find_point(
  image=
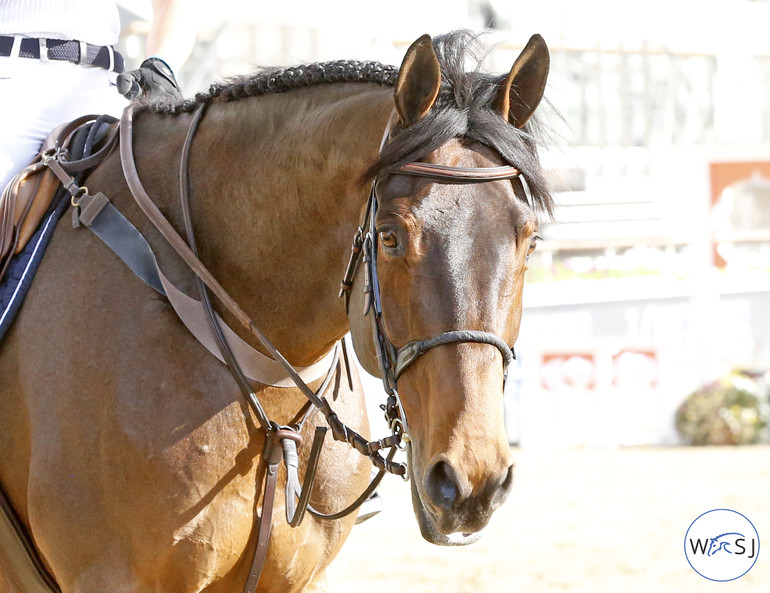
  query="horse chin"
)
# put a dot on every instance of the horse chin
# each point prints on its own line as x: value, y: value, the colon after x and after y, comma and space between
x: 428, y: 528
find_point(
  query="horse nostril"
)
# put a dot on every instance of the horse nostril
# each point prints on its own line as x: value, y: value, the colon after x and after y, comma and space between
x: 441, y: 485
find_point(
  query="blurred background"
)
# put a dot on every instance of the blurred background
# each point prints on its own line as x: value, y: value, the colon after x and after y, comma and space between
x: 647, y: 309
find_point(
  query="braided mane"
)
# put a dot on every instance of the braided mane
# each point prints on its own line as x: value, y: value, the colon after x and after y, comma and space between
x: 280, y: 80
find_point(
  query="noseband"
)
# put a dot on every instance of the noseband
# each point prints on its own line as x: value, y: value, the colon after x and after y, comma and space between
x: 394, y: 361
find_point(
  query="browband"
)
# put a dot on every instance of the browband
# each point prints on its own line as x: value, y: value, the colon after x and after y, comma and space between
x: 475, y: 174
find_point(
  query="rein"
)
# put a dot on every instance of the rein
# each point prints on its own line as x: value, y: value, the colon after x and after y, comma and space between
x: 281, y: 441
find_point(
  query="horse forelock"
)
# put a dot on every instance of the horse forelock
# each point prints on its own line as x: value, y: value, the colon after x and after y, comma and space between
x: 464, y: 108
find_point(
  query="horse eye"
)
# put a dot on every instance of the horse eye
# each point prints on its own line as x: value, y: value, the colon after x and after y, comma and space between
x: 388, y: 239
x: 533, y: 244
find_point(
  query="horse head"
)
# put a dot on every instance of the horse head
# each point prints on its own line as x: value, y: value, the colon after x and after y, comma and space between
x: 718, y: 546
x: 451, y: 256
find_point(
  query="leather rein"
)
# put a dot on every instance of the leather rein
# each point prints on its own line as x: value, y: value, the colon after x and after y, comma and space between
x: 281, y: 441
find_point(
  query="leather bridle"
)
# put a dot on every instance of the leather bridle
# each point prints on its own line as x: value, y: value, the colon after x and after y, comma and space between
x: 393, y: 361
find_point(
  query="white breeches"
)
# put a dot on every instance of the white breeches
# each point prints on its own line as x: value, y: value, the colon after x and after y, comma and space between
x: 36, y: 96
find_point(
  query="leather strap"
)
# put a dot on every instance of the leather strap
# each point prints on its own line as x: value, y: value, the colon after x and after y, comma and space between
x: 272, y: 460
x: 295, y: 509
x: 407, y: 354
x: 275, y: 451
x: 458, y: 174
x: 214, y: 323
x: 153, y: 213
x: 353, y: 506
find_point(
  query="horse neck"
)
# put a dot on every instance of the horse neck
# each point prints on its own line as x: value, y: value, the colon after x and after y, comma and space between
x: 276, y: 204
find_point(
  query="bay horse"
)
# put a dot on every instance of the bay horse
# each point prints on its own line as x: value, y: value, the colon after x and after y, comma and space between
x: 128, y: 452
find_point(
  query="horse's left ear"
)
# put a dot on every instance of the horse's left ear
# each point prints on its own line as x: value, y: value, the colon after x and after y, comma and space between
x: 419, y: 80
x: 520, y: 92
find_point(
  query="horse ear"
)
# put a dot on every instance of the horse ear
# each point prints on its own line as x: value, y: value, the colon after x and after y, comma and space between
x: 419, y: 80
x: 520, y: 92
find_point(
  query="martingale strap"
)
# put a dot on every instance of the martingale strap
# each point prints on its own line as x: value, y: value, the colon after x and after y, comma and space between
x: 271, y: 457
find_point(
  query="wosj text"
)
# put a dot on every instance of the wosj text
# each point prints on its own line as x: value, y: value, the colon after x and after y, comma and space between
x: 727, y: 543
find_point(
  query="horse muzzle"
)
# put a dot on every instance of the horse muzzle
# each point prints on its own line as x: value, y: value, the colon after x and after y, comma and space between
x: 448, y: 513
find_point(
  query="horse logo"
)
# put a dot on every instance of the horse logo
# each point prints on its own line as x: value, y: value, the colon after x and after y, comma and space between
x: 718, y: 546
x: 724, y: 557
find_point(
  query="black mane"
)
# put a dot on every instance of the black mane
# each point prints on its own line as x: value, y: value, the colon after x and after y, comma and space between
x: 464, y: 108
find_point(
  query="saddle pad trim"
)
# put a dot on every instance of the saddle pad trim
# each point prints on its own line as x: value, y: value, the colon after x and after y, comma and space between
x: 32, y: 254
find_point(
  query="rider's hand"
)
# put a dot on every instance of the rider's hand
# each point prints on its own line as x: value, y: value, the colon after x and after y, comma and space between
x: 153, y: 80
